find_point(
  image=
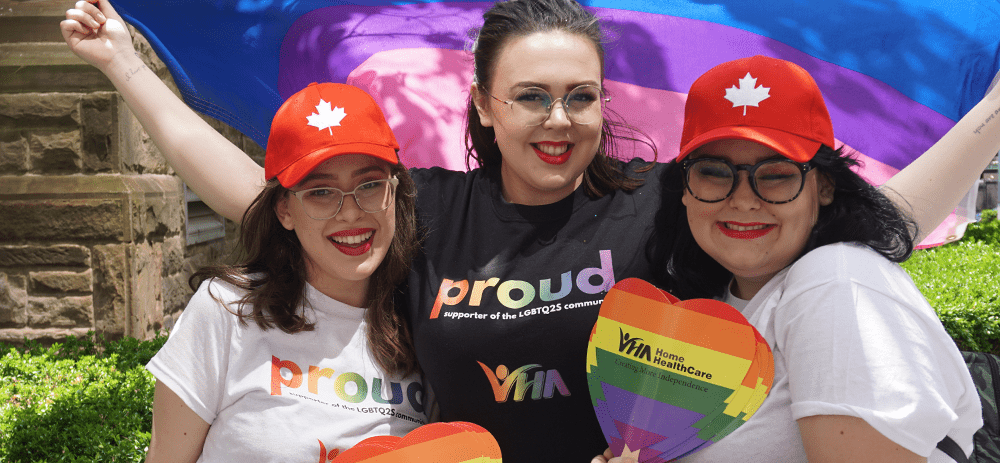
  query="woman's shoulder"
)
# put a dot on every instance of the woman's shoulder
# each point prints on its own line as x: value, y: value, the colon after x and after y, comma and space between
x: 438, y: 180
x: 222, y: 290
x: 215, y: 299
x: 440, y: 191
x: 850, y: 265
x: 840, y: 257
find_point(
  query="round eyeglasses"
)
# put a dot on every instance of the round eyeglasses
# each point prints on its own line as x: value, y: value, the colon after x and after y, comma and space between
x: 325, y: 202
x: 776, y: 181
x: 533, y: 105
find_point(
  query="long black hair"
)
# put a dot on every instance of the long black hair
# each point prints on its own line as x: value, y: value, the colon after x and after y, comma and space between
x: 518, y: 18
x: 859, y: 213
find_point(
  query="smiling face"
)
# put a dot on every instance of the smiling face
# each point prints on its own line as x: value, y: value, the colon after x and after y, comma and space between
x: 544, y: 163
x: 341, y: 252
x: 752, y: 238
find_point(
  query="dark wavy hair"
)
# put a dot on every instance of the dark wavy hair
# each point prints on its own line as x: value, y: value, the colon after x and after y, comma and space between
x: 273, y: 274
x: 859, y: 213
x: 518, y: 18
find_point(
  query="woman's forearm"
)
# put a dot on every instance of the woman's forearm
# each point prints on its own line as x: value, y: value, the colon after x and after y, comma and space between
x: 931, y: 187
x: 222, y: 175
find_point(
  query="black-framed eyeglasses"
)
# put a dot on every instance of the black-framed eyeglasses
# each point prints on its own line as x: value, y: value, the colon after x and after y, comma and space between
x: 325, y: 202
x: 533, y: 105
x: 776, y: 181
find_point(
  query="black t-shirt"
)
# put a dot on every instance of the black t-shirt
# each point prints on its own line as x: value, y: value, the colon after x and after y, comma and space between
x: 503, y: 299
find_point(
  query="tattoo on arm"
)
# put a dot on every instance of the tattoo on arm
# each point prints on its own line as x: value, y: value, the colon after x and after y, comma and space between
x: 988, y: 119
x: 131, y: 72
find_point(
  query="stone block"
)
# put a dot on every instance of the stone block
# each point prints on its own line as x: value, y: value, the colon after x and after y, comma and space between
x: 173, y: 255
x: 32, y: 28
x: 136, y: 150
x: 56, y: 153
x: 100, y: 219
x: 13, y: 152
x: 46, y: 336
x: 176, y: 292
x: 99, y: 120
x: 157, y: 206
x: 146, y: 314
x: 13, y: 300
x: 40, y: 109
x: 18, y: 9
x: 128, y: 289
x: 205, y: 254
x: 61, y: 282
x: 61, y: 312
x: 104, y: 208
x: 63, y: 255
x: 47, y: 67
x: 112, y: 290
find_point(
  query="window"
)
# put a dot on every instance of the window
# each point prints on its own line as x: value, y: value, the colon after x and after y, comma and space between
x: 203, y: 224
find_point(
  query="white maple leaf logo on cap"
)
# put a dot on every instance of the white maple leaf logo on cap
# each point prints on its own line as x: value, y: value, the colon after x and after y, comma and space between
x: 327, y: 117
x: 747, y: 95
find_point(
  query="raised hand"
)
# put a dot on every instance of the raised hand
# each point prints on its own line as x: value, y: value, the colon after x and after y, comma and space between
x: 96, y: 33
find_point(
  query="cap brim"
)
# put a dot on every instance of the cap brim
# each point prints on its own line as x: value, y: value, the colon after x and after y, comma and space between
x: 294, y: 173
x: 788, y: 145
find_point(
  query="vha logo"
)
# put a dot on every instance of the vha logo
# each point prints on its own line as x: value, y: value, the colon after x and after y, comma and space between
x: 632, y: 346
x: 544, y: 384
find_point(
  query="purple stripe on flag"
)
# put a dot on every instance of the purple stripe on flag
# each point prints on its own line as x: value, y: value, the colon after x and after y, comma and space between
x: 648, y: 50
x: 867, y: 114
x: 328, y: 43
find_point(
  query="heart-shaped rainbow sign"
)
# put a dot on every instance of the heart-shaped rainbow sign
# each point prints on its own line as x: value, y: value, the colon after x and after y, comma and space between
x: 670, y: 377
x: 450, y: 442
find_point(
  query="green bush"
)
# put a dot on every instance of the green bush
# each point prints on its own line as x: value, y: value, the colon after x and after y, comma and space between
x: 987, y: 230
x: 77, y: 401
x: 960, y: 280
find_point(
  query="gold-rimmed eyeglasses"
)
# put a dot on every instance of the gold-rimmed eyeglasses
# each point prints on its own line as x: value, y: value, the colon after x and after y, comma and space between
x: 533, y: 105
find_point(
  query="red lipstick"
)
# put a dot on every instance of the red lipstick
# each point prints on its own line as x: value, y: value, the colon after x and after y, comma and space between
x: 550, y: 159
x: 351, y: 248
x: 745, y: 234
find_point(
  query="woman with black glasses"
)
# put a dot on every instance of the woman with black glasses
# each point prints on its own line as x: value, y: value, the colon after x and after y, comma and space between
x: 779, y: 226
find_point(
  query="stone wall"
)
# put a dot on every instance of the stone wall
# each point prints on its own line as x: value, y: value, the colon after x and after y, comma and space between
x: 92, y: 220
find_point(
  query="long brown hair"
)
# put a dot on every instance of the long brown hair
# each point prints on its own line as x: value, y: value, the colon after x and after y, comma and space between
x: 272, y: 271
x: 518, y: 18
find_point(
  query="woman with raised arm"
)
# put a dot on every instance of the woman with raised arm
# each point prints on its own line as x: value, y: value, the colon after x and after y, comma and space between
x: 519, y: 251
x: 298, y: 351
x: 808, y: 251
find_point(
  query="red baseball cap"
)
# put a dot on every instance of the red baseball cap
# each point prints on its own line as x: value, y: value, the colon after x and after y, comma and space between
x: 322, y: 121
x: 766, y: 100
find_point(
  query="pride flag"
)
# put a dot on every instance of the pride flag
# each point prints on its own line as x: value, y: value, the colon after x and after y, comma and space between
x: 896, y: 74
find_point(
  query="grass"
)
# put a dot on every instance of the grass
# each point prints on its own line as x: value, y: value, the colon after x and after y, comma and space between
x: 960, y: 280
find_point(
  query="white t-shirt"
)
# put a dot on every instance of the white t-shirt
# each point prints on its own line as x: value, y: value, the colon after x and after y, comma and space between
x: 852, y: 335
x: 274, y: 396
